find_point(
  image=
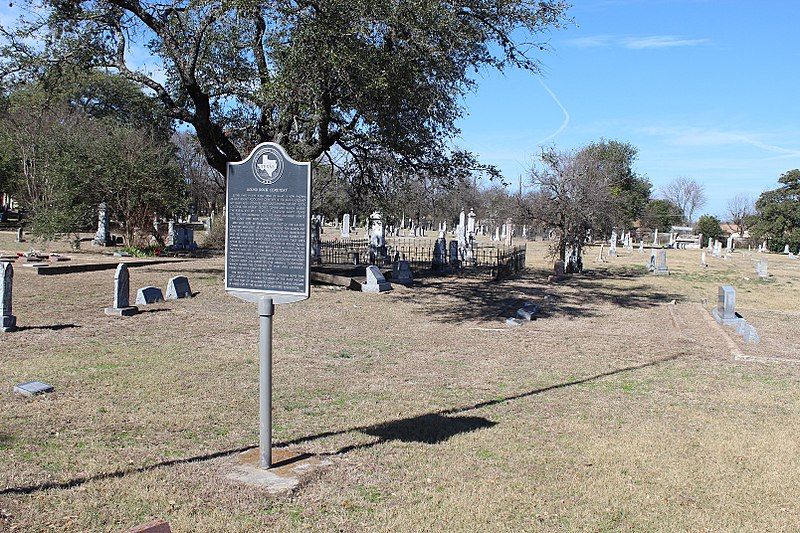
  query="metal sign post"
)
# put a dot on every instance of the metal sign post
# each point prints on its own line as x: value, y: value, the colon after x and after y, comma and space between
x: 267, y: 247
x: 265, y: 312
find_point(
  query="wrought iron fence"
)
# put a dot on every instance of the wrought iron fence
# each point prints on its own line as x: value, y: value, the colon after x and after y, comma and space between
x: 503, y: 260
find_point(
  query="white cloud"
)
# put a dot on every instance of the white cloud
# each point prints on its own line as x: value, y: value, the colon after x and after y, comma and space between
x: 635, y: 43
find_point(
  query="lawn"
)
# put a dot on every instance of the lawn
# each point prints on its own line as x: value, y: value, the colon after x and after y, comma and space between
x: 622, y: 407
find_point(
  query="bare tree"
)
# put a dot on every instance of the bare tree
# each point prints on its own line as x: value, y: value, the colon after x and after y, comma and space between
x: 740, y: 209
x: 206, y: 186
x: 571, y: 193
x: 687, y: 194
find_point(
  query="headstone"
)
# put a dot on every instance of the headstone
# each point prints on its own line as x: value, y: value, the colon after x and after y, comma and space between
x: 655, y: 238
x: 703, y: 261
x: 375, y: 281
x: 20, y: 234
x: 122, y: 305
x: 454, y: 255
x: 178, y: 287
x: 8, y: 322
x: 509, y: 232
x: 601, y: 258
x: 761, y: 269
x: 786, y: 249
x: 440, y: 253
x: 559, y: 268
x: 726, y: 302
x: 528, y: 311
x: 471, y: 222
x: 764, y: 247
x: 658, y: 262
x: 149, y: 295
x: 401, y: 273
x: 496, y: 234
x: 32, y: 388
x: 346, y: 226
x: 102, y: 237
x: 315, y: 253
x: 377, y: 239
x: 612, y: 247
x: 729, y: 244
x: 641, y: 247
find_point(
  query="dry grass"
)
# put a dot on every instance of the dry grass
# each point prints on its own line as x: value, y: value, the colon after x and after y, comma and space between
x: 613, y: 411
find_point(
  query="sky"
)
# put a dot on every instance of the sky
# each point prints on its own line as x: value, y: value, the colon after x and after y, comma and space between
x: 708, y: 90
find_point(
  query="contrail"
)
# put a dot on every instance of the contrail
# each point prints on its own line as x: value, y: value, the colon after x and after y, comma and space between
x: 563, y: 109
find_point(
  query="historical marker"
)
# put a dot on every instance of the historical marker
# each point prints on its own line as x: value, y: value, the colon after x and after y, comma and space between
x: 268, y: 226
x: 267, y: 245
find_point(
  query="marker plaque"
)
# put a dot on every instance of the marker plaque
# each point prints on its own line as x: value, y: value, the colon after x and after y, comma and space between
x: 267, y: 230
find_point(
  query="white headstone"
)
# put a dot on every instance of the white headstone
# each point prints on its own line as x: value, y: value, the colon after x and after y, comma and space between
x: 346, y: 226
x: 375, y: 281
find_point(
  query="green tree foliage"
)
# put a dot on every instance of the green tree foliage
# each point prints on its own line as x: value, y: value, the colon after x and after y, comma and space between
x: 710, y: 227
x: 661, y: 215
x: 778, y: 213
x: 630, y: 191
x: 381, y: 82
x: 68, y: 161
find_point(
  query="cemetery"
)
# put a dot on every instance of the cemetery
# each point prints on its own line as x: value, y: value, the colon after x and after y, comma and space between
x: 400, y: 397
x: 392, y: 266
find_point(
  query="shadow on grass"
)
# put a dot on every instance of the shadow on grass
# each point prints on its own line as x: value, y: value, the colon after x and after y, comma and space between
x: 55, y: 327
x: 454, y: 301
x: 428, y: 428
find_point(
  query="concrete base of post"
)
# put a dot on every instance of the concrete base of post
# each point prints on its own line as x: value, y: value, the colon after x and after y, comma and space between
x: 289, y: 469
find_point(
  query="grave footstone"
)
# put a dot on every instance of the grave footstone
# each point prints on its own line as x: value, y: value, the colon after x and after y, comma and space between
x: 122, y: 306
x: 375, y: 281
x: 149, y: 295
x: 8, y: 322
x: 32, y: 388
x: 178, y: 287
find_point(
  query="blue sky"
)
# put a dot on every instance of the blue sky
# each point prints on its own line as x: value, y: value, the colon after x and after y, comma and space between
x: 709, y: 90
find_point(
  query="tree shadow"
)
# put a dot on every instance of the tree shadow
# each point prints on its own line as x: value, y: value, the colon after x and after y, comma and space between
x: 55, y: 327
x: 454, y: 300
x: 428, y: 428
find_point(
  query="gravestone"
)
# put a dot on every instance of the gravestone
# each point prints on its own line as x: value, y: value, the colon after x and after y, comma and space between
x: 377, y: 236
x: 509, y: 232
x: 496, y: 234
x: 726, y: 304
x: 641, y: 247
x: 601, y: 258
x: 8, y: 322
x: 178, y: 287
x: 703, y: 259
x: 149, y: 295
x: 655, y: 238
x: 559, y: 268
x: 786, y: 249
x: 454, y: 257
x: 20, y: 234
x: 102, y: 237
x: 122, y: 305
x: 316, y: 243
x: 440, y: 252
x: 375, y: 281
x: 346, y: 226
x: 761, y: 269
x: 528, y: 311
x: 661, y: 263
x: 612, y: 247
x: 401, y: 273
x: 729, y: 244
x: 181, y: 236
